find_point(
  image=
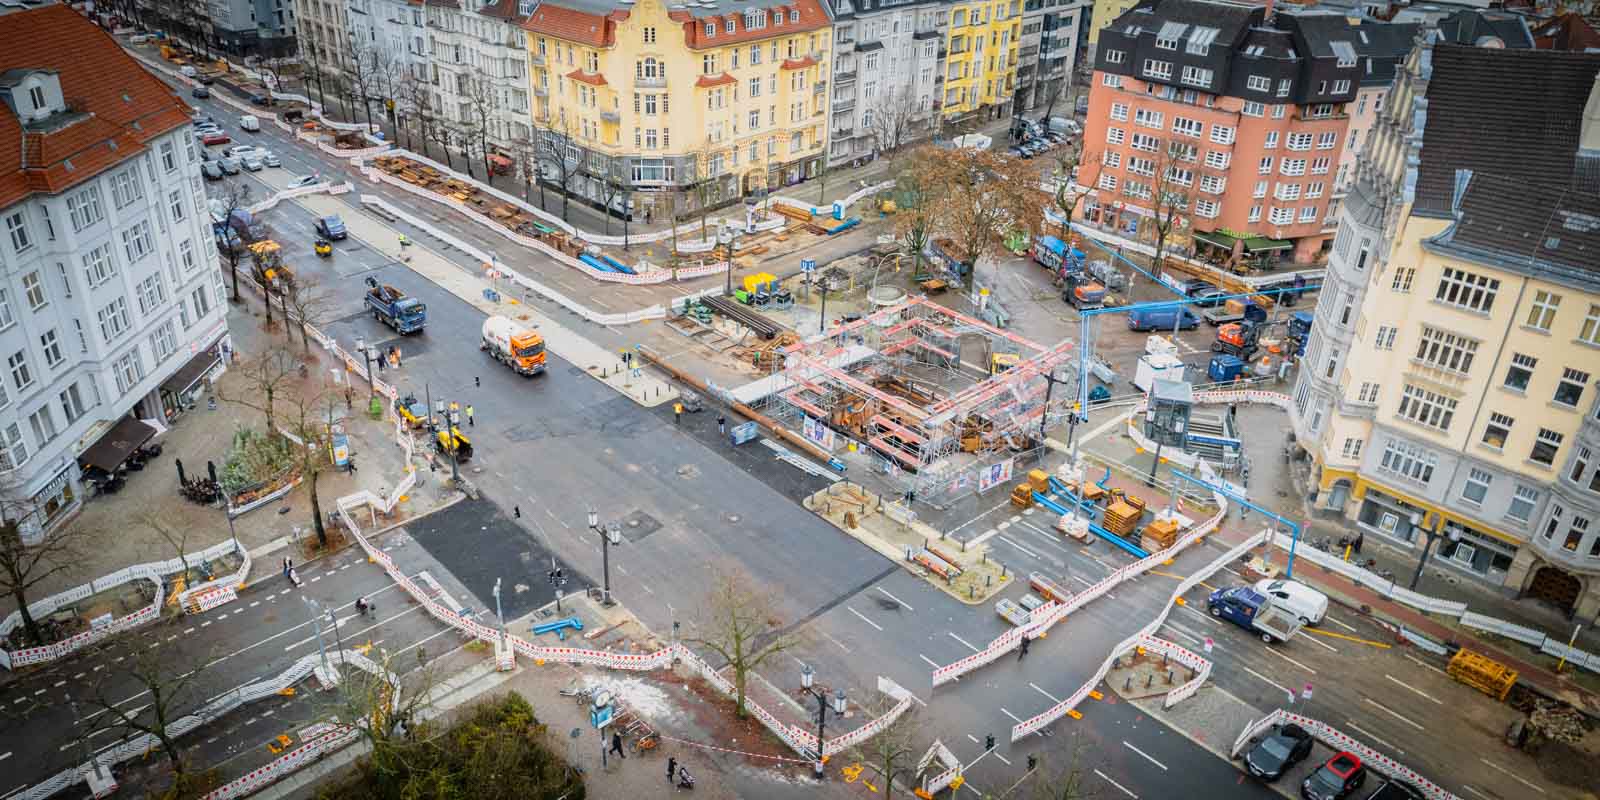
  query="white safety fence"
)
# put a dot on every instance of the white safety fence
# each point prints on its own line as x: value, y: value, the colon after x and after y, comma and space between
x: 302, y: 191
x: 1339, y: 740
x: 155, y: 572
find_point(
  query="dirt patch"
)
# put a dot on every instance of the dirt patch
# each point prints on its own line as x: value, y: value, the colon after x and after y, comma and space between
x: 1572, y: 765
x: 756, y: 746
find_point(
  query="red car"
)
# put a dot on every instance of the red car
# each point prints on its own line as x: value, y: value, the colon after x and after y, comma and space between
x: 1336, y: 779
x: 214, y: 138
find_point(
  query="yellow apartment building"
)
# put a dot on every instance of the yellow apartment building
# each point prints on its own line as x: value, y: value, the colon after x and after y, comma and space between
x: 665, y: 106
x: 981, y: 60
x: 1106, y: 12
x: 1448, y: 397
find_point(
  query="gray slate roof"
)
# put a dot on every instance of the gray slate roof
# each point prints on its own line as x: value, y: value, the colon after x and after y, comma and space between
x: 1550, y: 231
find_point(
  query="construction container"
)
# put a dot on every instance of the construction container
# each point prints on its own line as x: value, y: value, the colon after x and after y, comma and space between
x: 1040, y: 481
x: 1122, y: 518
x: 1484, y: 674
x: 1159, y: 535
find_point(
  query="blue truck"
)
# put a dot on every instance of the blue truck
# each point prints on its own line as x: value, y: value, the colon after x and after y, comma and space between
x: 395, y: 308
x: 1253, y: 611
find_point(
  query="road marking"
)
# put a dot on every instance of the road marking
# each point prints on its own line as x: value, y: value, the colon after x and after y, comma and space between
x: 1030, y: 553
x: 836, y: 641
x: 1275, y: 652
x: 1101, y: 561
x: 622, y: 569
x: 1181, y: 632
x: 647, y: 588
x: 1419, y: 662
x: 974, y: 739
x: 59, y: 684
x: 98, y: 667
x: 41, y: 691
x: 929, y: 661
x: 1200, y: 614
x: 269, y: 712
x: 1045, y: 693
x: 952, y: 635
x: 79, y: 675
x: 1393, y: 679
x: 1374, y: 737
x: 1379, y: 645
x: 224, y: 615
x: 1469, y: 788
x: 1314, y: 640
x: 1270, y: 682
x: 1514, y: 776
x: 1336, y: 621
x: 1080, y: 579
x: 1003, y: 758
x: 1143, y: 753
x: 206, y: 623
x: 5, y: 756
x: 1107, y: 779
x: 347, y: 619
x: 282, y: 593
x: 345, y: 567
x: 864, y: 619
x: 316, y: 578
x: 896, y: 599
x: 1014, y: 717
x: 1391, y: 712
x: 190, y: 629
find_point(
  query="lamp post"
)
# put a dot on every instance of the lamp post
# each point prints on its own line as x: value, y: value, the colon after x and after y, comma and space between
x: 808, y: 676
x: 726, y: 237
x: 361, y: 347
x: 1432, y: 534
x: 498, y: 610
x: 609, y: 535
x: 316, y: 622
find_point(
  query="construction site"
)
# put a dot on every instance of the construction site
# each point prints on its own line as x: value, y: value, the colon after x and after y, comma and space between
x: 937, y: 402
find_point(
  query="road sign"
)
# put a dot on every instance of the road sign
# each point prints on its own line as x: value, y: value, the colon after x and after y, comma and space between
x: 808, y: 265
x: 1209, y: 644
x: 1305, y: 694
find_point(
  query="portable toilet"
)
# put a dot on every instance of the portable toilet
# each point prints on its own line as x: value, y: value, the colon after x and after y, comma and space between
x: 1225, y: 368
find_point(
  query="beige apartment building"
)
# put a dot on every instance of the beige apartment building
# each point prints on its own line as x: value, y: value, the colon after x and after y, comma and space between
x: 1448, y: 396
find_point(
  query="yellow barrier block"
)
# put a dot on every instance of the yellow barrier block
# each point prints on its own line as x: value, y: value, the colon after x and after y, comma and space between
x: 957, y: 783
x: 1095, y: 693
x: 1167, y: 563
x: 921, y: 795
x: 1042, y: 635
x: 538, y: 662
x: 1139, y: 650
x: 1074, y: 713
x: 287, y: 691
x: 405, y: 497
x: 1182, y: 602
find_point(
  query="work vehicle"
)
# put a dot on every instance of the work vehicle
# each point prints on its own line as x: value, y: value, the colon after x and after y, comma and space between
x: 1300, y: 331
x: 1310, y: 605
x: 1275, y: 753
x: 1108, y: 275
x: 250, y: 123
x: 513, y: 344
x: 1162, y: 319
x: 1253, y: 611
x: 453, y: 439
x: 1338, y: 778
x: 1054, y: 255
x: 1066, y: 126
x: 1238, y: 339
x: 1154, y: 366
x: 413, y: 412
x: 1082, y: 291
x: 322, y: 248
x: 395, y: 308
x: 1225, y: 368
x: 1234, y: 311
x: 332, y: 227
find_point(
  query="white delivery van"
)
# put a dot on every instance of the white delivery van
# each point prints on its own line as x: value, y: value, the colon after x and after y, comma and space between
x: 1310, y: 605
x: 250, y: 123
x: 188, y: 71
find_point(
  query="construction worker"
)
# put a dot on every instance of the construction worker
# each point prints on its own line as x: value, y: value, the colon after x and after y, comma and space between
x: 469, y: 415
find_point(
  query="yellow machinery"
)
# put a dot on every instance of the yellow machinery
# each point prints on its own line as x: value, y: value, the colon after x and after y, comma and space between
x: 413, y: 413
x: 758, y: 282
x: 1484, y: 674
x: 323, y: 248
x: 462, y: 445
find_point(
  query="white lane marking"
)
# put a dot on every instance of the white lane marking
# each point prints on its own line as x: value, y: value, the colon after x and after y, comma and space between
x: 1011, y: 715
x: 1052, y: 697
x: 952, y: 635
x: 1316, y: 641
x: 863, y: 618
x: 1419, y: 662
x: 190, y: 629
x: 5, y: 756
x: 313, y: 637
x: 974, y: 739
x: 896, y: 599
x: 41, y: 691
x: 59, y: 684
x: 1030, y: 553
x: 647, y: 588
x: 98, y: 667
x: 1374, y: 737
x: 1101, y: 561
x: 929, y: 661
x: 255, y: 603
x: 1514, y: 776
x: 282, y: 593
x: 1469, y: 788
x: 1274, y: 651
x: 223, y: 615
x: 1080, y: 579
x: 1143, y: 753
x: 206, y: 623
x: 1335, y: 620
x: 346, y: 566
x: 622, y: 569
x: 1107, y: 779
x: 1269, y: 681
x: 1391, y: 712
x: 79, y: 675
x: 1200, y: 614
x: 836, y: 641
x: 1003, y: 758
x: 316, y: 578
x: 1393, y: 679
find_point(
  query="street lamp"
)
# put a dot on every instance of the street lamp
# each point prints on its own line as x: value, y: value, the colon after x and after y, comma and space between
x: 361, y: 347
x: 609, y: 535
x: 808, y: 676
x: 1432, y: 534
x: 498, y: 611
x: 726, y: 237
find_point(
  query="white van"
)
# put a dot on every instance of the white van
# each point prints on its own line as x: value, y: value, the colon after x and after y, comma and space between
x: 1305, y: 602
x: 188, y: 71
x: 250, y: 123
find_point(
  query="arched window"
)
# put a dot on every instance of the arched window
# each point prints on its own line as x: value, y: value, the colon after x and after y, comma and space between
x: 648, y: 68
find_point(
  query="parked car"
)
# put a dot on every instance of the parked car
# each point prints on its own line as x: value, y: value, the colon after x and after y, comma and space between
x: 331, y: 227
x: 229, y: 165
x: 1017, y: 151
x: 250, y: 122
x: 304, y: 180
x: 200, y: 91
x: 1285, y: 747
x: 1397, y: 790
x: 1337, y: 778
x: 270, y: 158
x: 260, y: 99
x: 215, y: 138
x: 202, y: 121
x: 239, y: 150
x: 1161, y: 319
x: 1296, y: 597
x: 252, y: 161
x: 212, y: 170
x: 1210, y: 297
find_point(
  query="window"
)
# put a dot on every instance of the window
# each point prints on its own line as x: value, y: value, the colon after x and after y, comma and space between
x: 52, y: 349
x: 1258, y: 83
x: 1108, y: 182
x: 1556, y: 512
x: 1543, y: 310
x: 21, y: 373
x: 17, y: 226
x: 136, y: 242
x: 1167, y: 38
x: 1368, y: 394
x: 1580, y: 526
x: 175, y: 204
x: 1281, y: 216
x: 1148, y: 118
x: 1197, y: 76
x: 1308, y: 213
x: 1293, y: 166
x: 1287, y: 191
x: 1446, y: 350
x: 1119, y: 112
x: 84, y: 208
x: 1352, y: 448
x: 1111, y: 81
x: 169, y: 157
x: 1279, y: 112
x: 114, y: 319
x: 1477, y: 486
x: 1466, y: 290
x: 1145, y: 142
x: 1115, y: 56
x: 125, y: 187
x: 129, y: 370
x: 13, y: 451
x: 1260, y: 190
x: 1217, y: 159
x: 1426, y: 408
x: 1142, y: 166
x: 164, y: 342
x: 49, y: 226
x: 1271, y: 141
x: 1520, y: 371
x: 1341, y: 87
x: 1208, y: 209
x: 1545, y: 447
x: 1253, y: 109
x: 1265, y: 167
x: 1313, y: 191
x: 151, y: 293
x: 1255, y: 214
x: 1570, y: 390
x: 1523, y: 502
x: 72, y: 404
x: 1580, y: 464
x: 1211, y: 184
x: 1498, y: 430
x: 6, y: 320
x: 1590, y: 332
x: 1112, y: 159
x: 1408, y: 461
x: 1319, y: 166
x: 1160, y: 70
x: 43, y: 424
x: 711, y: 29
x: 1299, y: 141
x: 33, y: 289
x: 1402, y: 280
x: 1283, y: 89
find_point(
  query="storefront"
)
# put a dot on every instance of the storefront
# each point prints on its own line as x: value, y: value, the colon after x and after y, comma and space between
x: 180, y: 392
x: 1390, y: 516
x: 1229, y: 248
x: 1476, y: 552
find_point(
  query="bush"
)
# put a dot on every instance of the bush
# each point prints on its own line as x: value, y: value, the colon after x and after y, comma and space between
x: 255, y: 459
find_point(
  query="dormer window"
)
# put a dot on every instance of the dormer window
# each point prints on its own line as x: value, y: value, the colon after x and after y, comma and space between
x: 36, y: 96
x: 32, y: 94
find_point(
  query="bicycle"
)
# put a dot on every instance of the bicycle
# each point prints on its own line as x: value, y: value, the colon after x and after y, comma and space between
x: 583, y: 696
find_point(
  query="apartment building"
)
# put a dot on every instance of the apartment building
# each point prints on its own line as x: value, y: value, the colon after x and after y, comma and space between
x: 1448, y: 395
x: 1382, y: 49
x: 1051, y: 32
x: 263, y: 28
x: 682, y: 105
x: 1242, y: 113
x: 888, y: 66
x: 322, y: 32
x: 981, y: 61
x: 112, y: 309
x: 1105, y: 12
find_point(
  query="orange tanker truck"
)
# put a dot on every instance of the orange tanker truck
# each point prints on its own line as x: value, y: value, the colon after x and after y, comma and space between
x: 513, y: 344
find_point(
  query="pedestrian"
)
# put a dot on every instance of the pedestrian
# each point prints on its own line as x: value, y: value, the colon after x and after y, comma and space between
x: 469, y: 415
x: 677, y: 413
x: 616, y: 744
x: 1023, y: 652
x: 1360, y: 539
x: 722, y: 424
x: 294, y: 577
x: 672, y: 768
x: 285, y: 566
x: 347, y: 401
x: 516, y: 511
x: 380, y: 364
x: 399, y: 357
x: 352, y: 466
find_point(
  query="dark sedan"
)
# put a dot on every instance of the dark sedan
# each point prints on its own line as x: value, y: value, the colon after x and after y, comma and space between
x: 1276, y: 753
x: 331, y: 228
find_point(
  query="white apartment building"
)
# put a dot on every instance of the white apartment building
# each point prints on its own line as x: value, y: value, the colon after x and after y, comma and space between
x: 112, y: 307
x: 888, y: 69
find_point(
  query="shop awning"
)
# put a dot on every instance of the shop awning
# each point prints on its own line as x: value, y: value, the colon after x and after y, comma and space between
x: 1261, y: 244
x: 189, y: 374
x: 1215, y: 239
x: 114, y: 448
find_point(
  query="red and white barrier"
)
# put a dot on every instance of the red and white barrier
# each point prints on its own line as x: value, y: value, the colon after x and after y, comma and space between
x: 1339, y: 740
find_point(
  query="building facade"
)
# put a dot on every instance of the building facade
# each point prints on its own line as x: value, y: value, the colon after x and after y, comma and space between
x: 112, y: 309
x: 674, y: 108
x: 263, y: 28
x: 1257, y: 107
x: 1051, y: 33
x: 888, y: 66
x: 981, y: 60
x: 1448, y: 395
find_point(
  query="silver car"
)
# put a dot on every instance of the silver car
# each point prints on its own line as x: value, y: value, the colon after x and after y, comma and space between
x: 269, y: 158
x: 252, y: 161
x: 229, y: 165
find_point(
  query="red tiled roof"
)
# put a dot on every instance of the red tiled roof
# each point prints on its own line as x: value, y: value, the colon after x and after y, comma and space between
x: 812, y: 17
x: 591, y: 78
x: 572, y: 25
x: 707, y: 81
x: 799, y: 63
x: 96, y: 77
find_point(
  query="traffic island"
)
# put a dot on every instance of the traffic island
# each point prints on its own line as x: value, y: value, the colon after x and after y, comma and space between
x: 966, y: 573
x: 1141, y: 673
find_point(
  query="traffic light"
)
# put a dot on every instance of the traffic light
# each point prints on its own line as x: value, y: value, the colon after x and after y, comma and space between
x: 1033, y: 761
x: 988, y: 742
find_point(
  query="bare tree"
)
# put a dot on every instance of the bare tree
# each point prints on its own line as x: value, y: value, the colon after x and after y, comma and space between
x: 413, y: 100
x: 234, y: 196
x: 740, y: 623
x: 707, y: 171
x: 366, y: 64
x: 1065, y: 772
x: 526, y: 153
x: 892, y: 749
x: 893, y: 120
x: 480, y: 107
x: 172, y: 689
x: 311, y: 302
x: 311, y: 417
x: 913, y: 219
x: 558, y: 156
x: 1076, y: 174
x: 393, y: 724
x: 440, y: 131
x: 1172, y: 193
x: 58, y: 552
x: 266, y: 378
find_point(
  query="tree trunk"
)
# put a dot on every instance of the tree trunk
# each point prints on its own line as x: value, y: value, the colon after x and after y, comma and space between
x: 566, y: 197
x: 316, y: 511
x: 738, y: 686
x: 233, y: 265
x: 31, y: 625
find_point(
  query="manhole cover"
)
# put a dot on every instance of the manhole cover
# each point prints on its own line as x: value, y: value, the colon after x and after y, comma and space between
x: 638, y: 525
x: 688, y: 471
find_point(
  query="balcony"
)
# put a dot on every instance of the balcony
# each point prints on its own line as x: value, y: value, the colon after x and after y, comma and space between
x: 844, y: 77
x: 844, y: 46
x: 1440, y: 377
x: 819, y: 87
x: 658, y: 82
x: 844, y: 103
x: 610, y: 117
x: 536, y: 59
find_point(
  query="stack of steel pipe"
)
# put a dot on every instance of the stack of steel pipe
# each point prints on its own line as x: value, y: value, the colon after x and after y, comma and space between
x: 763, y: 327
